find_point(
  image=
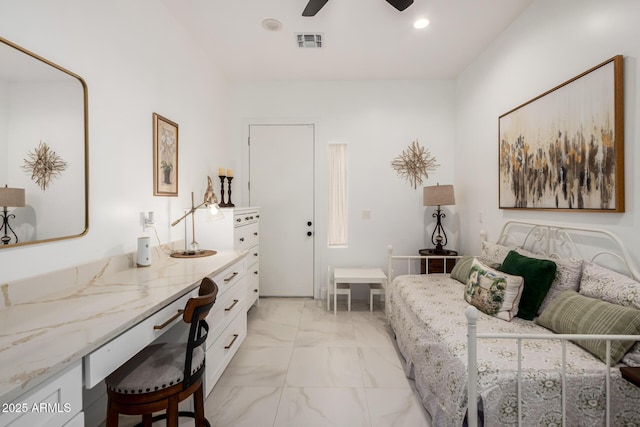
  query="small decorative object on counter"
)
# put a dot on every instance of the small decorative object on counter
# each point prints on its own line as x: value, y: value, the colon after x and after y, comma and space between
x: 229, y: 178
x: 144, y: 252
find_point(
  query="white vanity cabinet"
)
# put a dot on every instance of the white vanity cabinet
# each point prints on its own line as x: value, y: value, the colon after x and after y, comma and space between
x: 227, y: 321
x: 53, y: 376
x: 246, y: 229
x: 56, y: 402
x: 234, y: 229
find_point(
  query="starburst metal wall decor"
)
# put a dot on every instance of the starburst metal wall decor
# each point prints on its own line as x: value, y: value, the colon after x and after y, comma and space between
x: 414, y: 163
x: 44, y: 164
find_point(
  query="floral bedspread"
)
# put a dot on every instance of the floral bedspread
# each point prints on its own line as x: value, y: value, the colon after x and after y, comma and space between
x: 426, y: 313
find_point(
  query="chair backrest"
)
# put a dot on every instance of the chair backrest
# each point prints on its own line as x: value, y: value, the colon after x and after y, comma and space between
x: 195, y: 313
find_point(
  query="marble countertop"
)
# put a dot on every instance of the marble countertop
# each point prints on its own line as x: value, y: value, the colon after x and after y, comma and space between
x: 43, y: 335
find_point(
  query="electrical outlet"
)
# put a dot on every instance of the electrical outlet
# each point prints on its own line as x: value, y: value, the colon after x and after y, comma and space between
x: 146, y: 219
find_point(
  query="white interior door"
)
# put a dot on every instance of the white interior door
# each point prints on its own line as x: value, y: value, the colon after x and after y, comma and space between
x: 281, y: 184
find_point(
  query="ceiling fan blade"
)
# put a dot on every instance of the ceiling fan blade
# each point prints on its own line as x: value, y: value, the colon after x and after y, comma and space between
x: 400, y: 4
x: 314, y: 6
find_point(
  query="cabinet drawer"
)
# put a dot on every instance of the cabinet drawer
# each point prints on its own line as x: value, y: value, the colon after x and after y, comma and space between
x: 229, y: 276
x: 243, y: 218
x: 246, y: 236
x: 77, y: 421
x: 100, y: 363
x: 253, y: 257
x: 226, y: 308
x: 253, y: 290
x: 53, y: 403
x: 437, y: 265
x: 220, y: 353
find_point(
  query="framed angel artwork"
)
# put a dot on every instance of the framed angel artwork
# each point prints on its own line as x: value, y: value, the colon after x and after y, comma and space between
x: 165, y: 156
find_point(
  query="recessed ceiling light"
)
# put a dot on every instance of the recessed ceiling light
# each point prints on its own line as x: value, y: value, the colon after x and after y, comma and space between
x: 421, y: 23
x: 271, y: 24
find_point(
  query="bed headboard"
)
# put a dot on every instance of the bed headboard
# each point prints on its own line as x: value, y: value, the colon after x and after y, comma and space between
x: 553, y: 240
x: 567, y: 241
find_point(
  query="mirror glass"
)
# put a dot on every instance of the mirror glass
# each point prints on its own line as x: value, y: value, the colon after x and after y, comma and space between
x: 43, y: 149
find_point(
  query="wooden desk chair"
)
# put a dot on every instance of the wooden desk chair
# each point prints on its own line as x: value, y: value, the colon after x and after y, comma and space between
x: 162, y: 375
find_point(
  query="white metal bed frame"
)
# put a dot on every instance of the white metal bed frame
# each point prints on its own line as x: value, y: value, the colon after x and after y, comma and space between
x: 555, y: 241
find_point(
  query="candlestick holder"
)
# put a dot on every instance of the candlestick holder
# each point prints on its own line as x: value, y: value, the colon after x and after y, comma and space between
x: 229, y: 203
x: 222, y: 203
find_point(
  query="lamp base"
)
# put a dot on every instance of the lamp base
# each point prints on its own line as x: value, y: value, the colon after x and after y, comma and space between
x: 198, y: 254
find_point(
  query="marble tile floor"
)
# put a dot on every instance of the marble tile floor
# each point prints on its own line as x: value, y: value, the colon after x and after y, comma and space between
x: 303, y: 366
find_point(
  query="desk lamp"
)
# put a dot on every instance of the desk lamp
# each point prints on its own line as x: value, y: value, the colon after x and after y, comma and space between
x: 194, y: 250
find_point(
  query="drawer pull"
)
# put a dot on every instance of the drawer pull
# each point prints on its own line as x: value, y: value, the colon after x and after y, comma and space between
x: 165, y: 324
x: 255, y: 234
x: 242, y: 239
x: 255, y: 272
x: 255, y: 254
x: 235, y: 301
x: 235, y: 337
x: 230, y: 278
x: 255, y: 290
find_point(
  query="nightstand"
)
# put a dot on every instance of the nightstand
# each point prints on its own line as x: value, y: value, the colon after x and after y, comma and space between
x: 631, y: 374
x: 437, y: 265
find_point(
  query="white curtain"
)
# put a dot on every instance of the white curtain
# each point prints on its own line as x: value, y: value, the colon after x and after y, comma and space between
x: 338, y: 218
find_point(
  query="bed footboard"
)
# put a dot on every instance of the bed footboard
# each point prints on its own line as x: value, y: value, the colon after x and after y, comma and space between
x: 472, y: 345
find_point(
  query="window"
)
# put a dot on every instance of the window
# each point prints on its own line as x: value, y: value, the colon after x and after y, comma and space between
x: 338, y: 212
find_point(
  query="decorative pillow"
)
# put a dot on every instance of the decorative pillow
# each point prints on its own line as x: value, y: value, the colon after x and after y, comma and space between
x: 493, y: 253
x: 568, y: 274
x: 608, y: 285
x: 538, y: 275
x: 460, y: 271
x: 492, y: 291
x: 572, y: 313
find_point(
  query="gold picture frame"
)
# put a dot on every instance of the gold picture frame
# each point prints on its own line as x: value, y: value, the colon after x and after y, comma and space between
x: 165, y: 156
x: 564, y: 150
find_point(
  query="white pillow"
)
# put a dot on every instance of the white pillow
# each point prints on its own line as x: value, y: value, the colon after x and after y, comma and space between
x: 608, y: 285
x: 493, y: 254
x: 493, y: 292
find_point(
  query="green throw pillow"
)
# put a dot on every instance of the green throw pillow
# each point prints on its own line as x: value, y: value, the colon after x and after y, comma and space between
x: 538, y: 275
x: 460, y: 271
x: 572, y: 313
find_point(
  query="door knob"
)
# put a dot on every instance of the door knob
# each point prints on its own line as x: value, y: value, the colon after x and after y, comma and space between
x: 309, y: 223
x: 309, y: 233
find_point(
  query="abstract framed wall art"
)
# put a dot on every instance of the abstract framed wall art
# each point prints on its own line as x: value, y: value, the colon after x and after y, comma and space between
x: 165, y: 156
x: 564, y: 150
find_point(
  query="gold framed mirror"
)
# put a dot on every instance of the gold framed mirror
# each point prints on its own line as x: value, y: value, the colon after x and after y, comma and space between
x: 44, y: 143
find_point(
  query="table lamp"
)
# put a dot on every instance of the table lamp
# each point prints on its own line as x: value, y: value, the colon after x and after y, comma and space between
x: 9, y: 197
x: 438, y: 195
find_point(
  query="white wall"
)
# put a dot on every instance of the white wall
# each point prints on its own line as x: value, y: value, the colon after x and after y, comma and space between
x: 136, y: 60
x: 550, y: 43
x: 378, y: 120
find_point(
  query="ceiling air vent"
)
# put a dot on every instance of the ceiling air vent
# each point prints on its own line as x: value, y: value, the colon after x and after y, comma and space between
x: 309, y: 40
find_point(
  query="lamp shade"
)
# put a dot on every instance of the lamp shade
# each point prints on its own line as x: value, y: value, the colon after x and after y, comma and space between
x: 11, y: 197
x: 438, y: 195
